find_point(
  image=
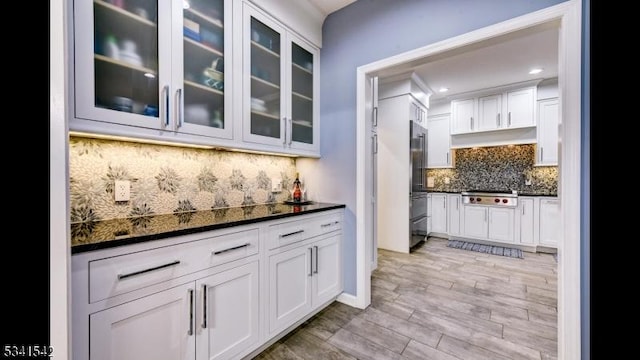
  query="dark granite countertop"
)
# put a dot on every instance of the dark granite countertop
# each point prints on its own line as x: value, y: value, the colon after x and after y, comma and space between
x: 96, y: 235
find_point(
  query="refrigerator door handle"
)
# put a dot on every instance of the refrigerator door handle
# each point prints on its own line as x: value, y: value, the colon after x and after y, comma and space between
x: 424, y: 161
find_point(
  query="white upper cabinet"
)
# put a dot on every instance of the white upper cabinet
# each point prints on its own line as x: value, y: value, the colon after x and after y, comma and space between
x: 462, y: 116
x: 489, y: 110
x: 209, y: 72
x: 548, y: 118
x: 520, y: 108
x: 280, y: 86
x: 439, y: 153
x: 152, y: 68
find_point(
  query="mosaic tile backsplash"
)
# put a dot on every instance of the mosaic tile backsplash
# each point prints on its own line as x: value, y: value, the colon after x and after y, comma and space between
x: 497, y: 168
x: 166, y: 179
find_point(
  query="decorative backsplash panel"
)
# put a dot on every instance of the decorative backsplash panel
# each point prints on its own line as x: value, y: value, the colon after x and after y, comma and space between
x: 497, y: 168
x: 167, y: 179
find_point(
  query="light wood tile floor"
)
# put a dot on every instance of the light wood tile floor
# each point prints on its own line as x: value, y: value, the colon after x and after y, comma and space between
x: 439, y: 303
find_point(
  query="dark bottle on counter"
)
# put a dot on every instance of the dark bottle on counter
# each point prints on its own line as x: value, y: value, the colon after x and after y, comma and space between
x: 297, y: 193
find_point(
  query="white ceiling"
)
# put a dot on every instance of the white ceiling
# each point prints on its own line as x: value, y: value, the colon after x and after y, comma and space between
x: 496, y: 62
x: 329, y: 6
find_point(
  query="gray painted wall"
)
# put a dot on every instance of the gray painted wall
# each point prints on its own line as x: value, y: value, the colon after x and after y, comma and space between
x: 370, y: 30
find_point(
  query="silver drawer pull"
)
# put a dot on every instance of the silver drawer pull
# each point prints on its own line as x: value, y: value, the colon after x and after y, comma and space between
x: 230, y: 249
x: 329, y: 224
x: 124, y: 276
x: 293, y: 233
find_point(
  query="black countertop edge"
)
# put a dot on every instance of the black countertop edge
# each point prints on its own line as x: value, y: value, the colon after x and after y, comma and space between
x: 519, y: 193
x: 317, y: 207
x: 534, y: 194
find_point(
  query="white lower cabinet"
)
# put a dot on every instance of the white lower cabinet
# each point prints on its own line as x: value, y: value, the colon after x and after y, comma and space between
x: 302, y: 279
x: 549, y: 226
x: 475, y: 221
x: 153, y: 327
x: 489, y: 223
x: 439, y: 213
x: 290, y: 287
x: 501, y: 224
x: 454, y: 201
x: 229, y: 307
x: 527, y: 221
x: 213, y: 295
x: 215, y: 317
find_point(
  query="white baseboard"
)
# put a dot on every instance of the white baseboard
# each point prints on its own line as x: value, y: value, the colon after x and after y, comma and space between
x: 348, y: 299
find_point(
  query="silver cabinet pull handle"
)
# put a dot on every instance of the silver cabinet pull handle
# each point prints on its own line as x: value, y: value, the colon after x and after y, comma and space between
x: 509, y: 119
x: 471, y: 118
x: 485, y: 215
x: 522, y: 208
x: 375, y: 117
x: 231, y: 249
x: 310, y: 261
x: 204, y: 306
x: 498, y: 120
x: 190, y: 332
x: 164, y: 110
x: 293, y: 233
x: 331, y: 223
x: 316, y: 249
x: 124, y: 276
x: 374, y: 145
x: 541, y: 153
x: 290, y: 131
x: 179, y: 119
x: 447, y: 158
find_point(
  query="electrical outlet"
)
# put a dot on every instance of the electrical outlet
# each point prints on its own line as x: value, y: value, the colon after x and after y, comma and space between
x: 122, y: 190
x: 276, y: 185
x: 447, y: 180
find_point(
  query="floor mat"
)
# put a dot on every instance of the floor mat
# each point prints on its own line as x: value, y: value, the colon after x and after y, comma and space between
x: 489, y: 249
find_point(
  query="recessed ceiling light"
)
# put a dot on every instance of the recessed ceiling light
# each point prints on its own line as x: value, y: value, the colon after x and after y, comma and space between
x: 535, y: 71
x: 443, y: 89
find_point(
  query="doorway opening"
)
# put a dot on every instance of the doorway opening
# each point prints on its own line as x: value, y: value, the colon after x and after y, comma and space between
x: 566, y: 17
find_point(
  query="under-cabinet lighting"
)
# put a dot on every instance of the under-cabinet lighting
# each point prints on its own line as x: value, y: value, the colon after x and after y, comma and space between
x: 170, y: 143
x: 443, y: 89
x: 185, y: 4
x: 535, y: 71
x: 137, y: 140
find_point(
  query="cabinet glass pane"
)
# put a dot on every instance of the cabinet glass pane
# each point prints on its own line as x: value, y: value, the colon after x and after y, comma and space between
x: 265, y: 80
x: 126, y: 55
x: 302, y: 94
x: 204, y: 62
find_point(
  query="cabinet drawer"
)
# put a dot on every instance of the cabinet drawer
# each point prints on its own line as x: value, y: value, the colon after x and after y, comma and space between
x: 328, y: 223
x: 121, y: 274
x: 289, y: 232
x: 293, y: 231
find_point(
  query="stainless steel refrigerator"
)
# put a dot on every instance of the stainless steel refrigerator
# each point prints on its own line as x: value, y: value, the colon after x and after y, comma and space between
x: 418, y: 194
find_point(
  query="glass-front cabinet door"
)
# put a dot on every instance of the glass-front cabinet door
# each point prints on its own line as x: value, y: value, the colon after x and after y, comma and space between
x: 264, y: 96
x: 304, y: 87
x: 280, y: 86
x: 156, y: 64
x: 203, y: 60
